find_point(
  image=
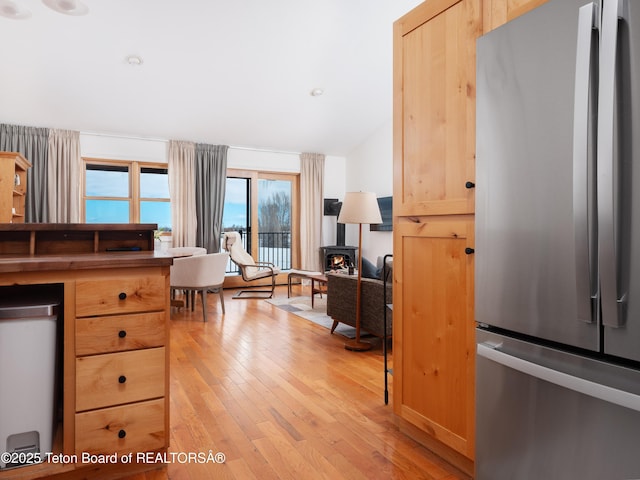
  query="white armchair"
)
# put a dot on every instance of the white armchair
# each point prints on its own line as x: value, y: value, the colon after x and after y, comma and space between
x: 200, y: 273
x: 249, y: 268
x: 186, y: 251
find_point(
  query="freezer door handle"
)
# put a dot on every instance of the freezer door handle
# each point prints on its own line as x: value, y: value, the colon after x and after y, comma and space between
x: 577, y: 384
x: 613, y: 311
x: 583, y: 195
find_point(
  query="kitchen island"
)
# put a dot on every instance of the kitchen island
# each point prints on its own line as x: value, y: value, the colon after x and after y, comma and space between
x: 112, y: 369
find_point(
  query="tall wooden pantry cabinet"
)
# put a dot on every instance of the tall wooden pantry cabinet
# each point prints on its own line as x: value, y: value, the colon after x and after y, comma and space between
x: 434, y: 145
x: 434, y: 180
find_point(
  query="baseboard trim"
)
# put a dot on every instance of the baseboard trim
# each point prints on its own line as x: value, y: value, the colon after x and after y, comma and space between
x: 456, y: 459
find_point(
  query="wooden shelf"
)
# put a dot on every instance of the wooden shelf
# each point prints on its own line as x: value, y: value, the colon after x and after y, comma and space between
x: 13, y: 186
x: 75, y: 238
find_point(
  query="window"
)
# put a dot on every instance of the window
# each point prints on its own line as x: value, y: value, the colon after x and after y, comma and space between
x: 118, y: 191
x: 263, y: 208
x: 154, y: 197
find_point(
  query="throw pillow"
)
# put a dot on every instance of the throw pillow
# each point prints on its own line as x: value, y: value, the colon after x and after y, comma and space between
x: 369, y: 270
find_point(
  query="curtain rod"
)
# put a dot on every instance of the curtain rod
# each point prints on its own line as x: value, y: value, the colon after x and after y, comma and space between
x: 128, y: 137
x: 265, y: 150
x: 152, y: 139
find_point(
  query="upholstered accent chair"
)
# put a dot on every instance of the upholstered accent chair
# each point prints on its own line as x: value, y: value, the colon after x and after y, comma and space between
x: 200, y: 273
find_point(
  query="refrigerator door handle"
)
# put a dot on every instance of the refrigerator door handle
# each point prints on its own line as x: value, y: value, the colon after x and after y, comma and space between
x: 612, y: 300
x: 583, y: 215
x: 577, y: 384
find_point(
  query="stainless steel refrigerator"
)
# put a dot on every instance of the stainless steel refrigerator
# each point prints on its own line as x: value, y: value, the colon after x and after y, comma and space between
x: 557, y: 296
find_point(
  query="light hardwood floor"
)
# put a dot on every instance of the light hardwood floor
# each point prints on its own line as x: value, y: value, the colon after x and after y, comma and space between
x: 281, y: 398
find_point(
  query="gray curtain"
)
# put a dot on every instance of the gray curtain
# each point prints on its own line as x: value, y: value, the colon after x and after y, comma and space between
x: 33, y: 143
x: 211, y: 180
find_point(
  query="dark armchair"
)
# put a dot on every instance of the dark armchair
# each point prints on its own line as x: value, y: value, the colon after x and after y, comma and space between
x: 341, y: 303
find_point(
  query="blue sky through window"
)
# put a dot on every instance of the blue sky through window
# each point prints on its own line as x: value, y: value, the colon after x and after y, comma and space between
x: 107, y: 211
x: 113, y: 181
x: 235, y: 202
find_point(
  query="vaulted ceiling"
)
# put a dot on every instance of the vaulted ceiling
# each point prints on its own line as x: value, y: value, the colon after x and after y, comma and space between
x: 234, y: 72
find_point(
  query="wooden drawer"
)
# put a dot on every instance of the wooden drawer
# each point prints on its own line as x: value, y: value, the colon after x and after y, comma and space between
x: 117, y: 378
x: 119, y: 333
x: 131, y: 428
x: 120, y: 295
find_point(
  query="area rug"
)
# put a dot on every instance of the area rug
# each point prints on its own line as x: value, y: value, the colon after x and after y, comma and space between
x: 301, y: 307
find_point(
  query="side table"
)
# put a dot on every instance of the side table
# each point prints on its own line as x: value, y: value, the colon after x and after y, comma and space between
x: 318, y: 285
x: 293, y: 273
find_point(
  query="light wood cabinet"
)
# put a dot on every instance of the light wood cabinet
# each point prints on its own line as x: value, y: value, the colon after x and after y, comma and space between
x: 434, y: 340
x: 434, y: 175
x: 143, y: 423
x: 117, y: 378
x: 434, y: 108
x: 117, y: 333
x: 13, y: 187
x: 114, y: 338
x: 120, y: 295
x: 108, y: 375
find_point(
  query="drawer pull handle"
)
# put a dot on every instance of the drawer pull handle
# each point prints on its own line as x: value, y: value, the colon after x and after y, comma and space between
x: 122, y: 333
x: 122, y: 434
x: 122, y: 379
x: 469, y: 250
x: 470, y: 185
x: 122, y: 296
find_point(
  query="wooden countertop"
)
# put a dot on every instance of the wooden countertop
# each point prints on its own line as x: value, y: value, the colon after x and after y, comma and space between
x: 84, y: 261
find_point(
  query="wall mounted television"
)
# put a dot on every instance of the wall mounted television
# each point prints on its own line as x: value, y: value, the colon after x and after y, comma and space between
x: 386, y: 210
x: 332, y: 207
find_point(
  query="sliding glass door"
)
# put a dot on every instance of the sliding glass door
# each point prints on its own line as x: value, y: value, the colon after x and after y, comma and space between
x: 237, y: 213
x: 274, y: 222
x: 263, y: 208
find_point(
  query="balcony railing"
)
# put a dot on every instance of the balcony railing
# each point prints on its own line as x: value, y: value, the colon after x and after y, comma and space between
x: 274, y: 247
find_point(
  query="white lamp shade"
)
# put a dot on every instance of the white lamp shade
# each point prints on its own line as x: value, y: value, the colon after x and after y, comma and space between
x: 360, y: 207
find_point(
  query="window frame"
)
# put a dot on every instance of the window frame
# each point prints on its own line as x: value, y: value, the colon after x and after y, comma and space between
x: 134, y: 169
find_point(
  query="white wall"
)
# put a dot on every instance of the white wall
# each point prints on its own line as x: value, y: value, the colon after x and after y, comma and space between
x: 334, y: 187
x: 250, y: 159
x: 369, y: 168
x: 114, y: 147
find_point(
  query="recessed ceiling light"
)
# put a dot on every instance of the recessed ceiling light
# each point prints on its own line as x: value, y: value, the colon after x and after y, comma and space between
x: 316, y: 92
x: 134, y: 60
x: 10, y: 9
x: 68, y: 7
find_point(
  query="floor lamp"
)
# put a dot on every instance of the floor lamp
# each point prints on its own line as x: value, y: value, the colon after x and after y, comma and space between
x: 359, y: 207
